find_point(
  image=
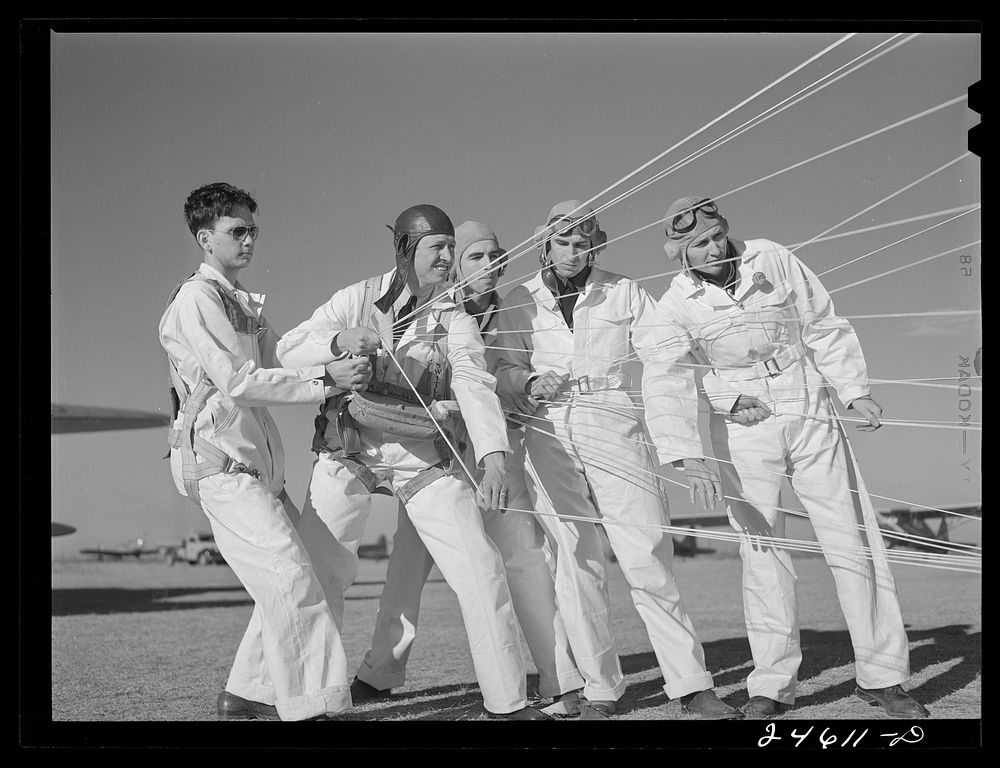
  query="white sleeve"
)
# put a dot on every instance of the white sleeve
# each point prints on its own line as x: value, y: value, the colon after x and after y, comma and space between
x: 210, y: 338
x: 668, y: 385
x: 513, y: 364
x: 309, y: 343
x: 474, y: 387
x: 835, y: 346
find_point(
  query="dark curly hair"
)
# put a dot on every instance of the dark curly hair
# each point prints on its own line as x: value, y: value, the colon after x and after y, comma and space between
x: 207, y: 204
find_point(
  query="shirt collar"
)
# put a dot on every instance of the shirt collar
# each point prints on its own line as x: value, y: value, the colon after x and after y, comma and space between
x: 254, y: 299
x: 691, y: 282
x: 483, y: 319
x: 443, y: 299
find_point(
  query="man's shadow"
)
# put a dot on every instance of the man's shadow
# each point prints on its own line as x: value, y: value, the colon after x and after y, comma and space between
x: 821, y: 651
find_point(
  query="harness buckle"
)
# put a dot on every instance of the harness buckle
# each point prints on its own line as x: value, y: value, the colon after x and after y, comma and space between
x: 583, y: 384
x: 772, y: 372
x: 234, y: 467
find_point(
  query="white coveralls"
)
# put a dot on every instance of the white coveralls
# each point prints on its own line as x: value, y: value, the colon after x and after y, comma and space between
x: 587, y: 456
x: 288, y: 654
x: 529, y: 576
x: 444, y: 513
x: 787, y: 347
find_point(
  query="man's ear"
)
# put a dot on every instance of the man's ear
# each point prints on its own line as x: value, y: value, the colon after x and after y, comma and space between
x: 203, y: 237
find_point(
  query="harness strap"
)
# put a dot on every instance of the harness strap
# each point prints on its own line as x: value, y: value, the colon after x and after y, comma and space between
x: 421, y: 480
x: 356, y: 468
x: 190, y: 404
x: 775, y: 365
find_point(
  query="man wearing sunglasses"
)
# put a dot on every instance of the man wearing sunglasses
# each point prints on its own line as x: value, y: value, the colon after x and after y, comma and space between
x: 769, y: 350
x: 226, y: 455
x: 573, y: 336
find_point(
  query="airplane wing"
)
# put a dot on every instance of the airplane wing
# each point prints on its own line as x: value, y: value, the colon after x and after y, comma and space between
x: 80, y: 418
x: 61, y: 529
x: 102, y: 553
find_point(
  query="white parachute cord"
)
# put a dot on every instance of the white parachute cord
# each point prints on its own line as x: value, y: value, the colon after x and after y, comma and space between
x: 738, y: 258
x: 454, y: 450
x: 887, y: 198
x: 884, y: 247
x: 784, y: 170
x: 879, y: 316
x: 757, y: 120
x: 911, y: 118
x: 813, y: 483
x: 950, y: 562
x: 705, y: 127
x: 594, y: 455
x: 974, y: 426
x: 748, y: 125
x: 939, y: 313
x: 898, y: 222
x: 905, y: 266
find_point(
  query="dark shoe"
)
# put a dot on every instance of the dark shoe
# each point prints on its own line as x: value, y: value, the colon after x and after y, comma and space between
x: 233, y: 707
x: 362, y: 691
x: 897, y: 702
x: 762, y: 708
x: 709, y: 706
x: 526, y: 713
x: 565, y: 705
x: 597, y: 710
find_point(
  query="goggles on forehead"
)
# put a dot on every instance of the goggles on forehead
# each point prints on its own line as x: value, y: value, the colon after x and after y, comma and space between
x: 685, y: 221
x: 564, y: 226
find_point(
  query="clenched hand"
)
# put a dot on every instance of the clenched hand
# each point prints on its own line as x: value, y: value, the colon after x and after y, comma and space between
x: 357, y: 341
x: 494, y: 485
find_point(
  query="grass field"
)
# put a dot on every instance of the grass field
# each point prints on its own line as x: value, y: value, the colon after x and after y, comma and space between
x: 144, y: 641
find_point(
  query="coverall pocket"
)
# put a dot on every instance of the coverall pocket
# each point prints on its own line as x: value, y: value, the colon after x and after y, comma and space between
x: 608, y: 335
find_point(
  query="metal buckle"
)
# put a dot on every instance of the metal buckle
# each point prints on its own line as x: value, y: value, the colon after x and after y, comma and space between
x: 776, y: 371
x: 235, y: 467
x: 583, y: 384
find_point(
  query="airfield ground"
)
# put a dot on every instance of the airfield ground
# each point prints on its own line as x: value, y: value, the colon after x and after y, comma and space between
x: 144, y: 641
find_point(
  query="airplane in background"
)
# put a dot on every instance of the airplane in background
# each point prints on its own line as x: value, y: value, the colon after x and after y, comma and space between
x: 377, y: 551
x: 85, y: 418
x: 133, y: 548
x: 61, y: 529
x: 913, y: 521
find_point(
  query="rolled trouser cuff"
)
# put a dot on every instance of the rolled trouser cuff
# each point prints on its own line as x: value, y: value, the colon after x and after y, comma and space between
x: 594, y: 693
x: 328, y: 701
x: 692, y: 684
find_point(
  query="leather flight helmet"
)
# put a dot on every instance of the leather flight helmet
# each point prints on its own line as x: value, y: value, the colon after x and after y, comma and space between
x: 411, y: 225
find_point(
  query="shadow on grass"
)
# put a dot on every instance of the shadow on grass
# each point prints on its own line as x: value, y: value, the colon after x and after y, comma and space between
x: 74, y: 602
x: 822, y: 651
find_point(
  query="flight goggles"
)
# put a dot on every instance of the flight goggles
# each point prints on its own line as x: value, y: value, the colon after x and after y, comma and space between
x: 685, y: 221
x: 564, y: 226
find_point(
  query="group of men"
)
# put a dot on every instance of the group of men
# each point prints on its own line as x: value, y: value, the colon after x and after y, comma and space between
x: 508, y: 430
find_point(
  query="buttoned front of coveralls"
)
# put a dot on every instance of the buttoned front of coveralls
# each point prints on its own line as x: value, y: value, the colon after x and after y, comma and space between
x: 288, y: 653
x: 529, y: 576
x: 801, y: 439
x: 587, y: 456
x: 444, y: 513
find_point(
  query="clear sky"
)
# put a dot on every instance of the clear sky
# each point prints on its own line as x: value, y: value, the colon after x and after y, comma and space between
x: 335, y: 134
